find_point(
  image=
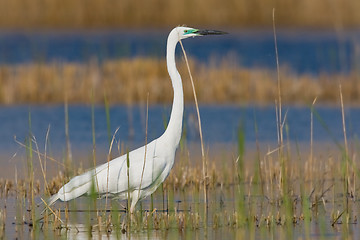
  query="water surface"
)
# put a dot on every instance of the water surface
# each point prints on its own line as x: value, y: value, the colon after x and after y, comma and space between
x: 220, y: 124
x: 302, y: 51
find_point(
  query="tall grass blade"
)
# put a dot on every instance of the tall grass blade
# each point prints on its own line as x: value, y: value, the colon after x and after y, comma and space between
x: 204, y: 160
x: 146, y: 133
x: 31, y: 173
x: 107, y: 112
x: 128, y: 192
x: 346, y: 157
x: 68, y: 158
x: 108, y: 168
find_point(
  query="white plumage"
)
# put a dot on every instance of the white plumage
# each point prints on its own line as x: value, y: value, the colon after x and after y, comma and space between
x: 111, y: 178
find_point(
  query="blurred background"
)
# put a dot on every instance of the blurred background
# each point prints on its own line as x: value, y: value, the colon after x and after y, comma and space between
x: 109, y: 14
x: 76, y: 73
x: 52, y: 47
x: 78, y: 66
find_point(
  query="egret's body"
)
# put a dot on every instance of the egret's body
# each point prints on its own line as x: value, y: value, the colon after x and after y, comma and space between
x: 111, y: 178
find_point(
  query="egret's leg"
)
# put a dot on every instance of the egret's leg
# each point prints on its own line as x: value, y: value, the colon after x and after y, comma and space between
x: 134, y: 200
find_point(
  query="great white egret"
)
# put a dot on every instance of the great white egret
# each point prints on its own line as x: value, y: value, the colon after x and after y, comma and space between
x: 111, y: 178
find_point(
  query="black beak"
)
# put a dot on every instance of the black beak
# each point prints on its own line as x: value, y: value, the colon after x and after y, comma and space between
x: 210, y: 32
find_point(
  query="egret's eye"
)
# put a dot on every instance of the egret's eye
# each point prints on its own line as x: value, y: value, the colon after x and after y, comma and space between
x: 185, y: 31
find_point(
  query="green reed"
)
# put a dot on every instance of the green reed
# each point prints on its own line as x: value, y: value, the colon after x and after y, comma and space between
x: 68, y: 156
x: 2, y: 222
x: 240, y: 174
x: 107, y: 112
x: 128, y: 215
x: 30, y: 166
x: 115, y: 219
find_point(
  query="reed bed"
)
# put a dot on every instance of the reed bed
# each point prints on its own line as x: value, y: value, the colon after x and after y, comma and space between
x: 315, y: 192
x: 127, y: 81
x: 185, y: 175
x: 160, y: 13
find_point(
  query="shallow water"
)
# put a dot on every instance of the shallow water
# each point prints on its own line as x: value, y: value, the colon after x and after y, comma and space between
x: 222, y: 203
x: 220, y: 124
x: 220, y: 128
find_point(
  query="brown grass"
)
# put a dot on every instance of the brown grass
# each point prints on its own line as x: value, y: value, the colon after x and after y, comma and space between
x: 326, y: 172
x: 164, y: 13
x: 315, y: 195
x: 128, y: 81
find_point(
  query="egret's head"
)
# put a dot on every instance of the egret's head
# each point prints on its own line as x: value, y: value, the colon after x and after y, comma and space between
x: 185, y: 32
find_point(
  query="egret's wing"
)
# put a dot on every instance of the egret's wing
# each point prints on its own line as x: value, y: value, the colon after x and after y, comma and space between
x: 112, y: 177
x: 116, y: 176
x: 77, y: 186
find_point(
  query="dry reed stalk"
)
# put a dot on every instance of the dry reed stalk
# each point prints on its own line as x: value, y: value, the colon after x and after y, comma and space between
x: 347, y: 178
x: 41, y: 154
x: 31, y: 174
x: 45, y: 154
x: 68, y: 160
x: 280, y: 121
x: 41, y: 165
x: 279, y: 103
x: 52, y: 211
x: 311, y: 164
x: 343, y: 123
x: 204, y: 160
x: 93, y: 138
x: 108, y: 165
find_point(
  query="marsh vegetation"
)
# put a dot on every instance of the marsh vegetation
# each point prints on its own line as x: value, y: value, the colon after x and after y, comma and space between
x: 127, y: 81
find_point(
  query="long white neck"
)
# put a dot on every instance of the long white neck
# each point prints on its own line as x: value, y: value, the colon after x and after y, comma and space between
x: 174, y: 128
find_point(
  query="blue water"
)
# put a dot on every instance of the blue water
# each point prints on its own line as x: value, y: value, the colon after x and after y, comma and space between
x: 302, y: 51
x: 220, y: 124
